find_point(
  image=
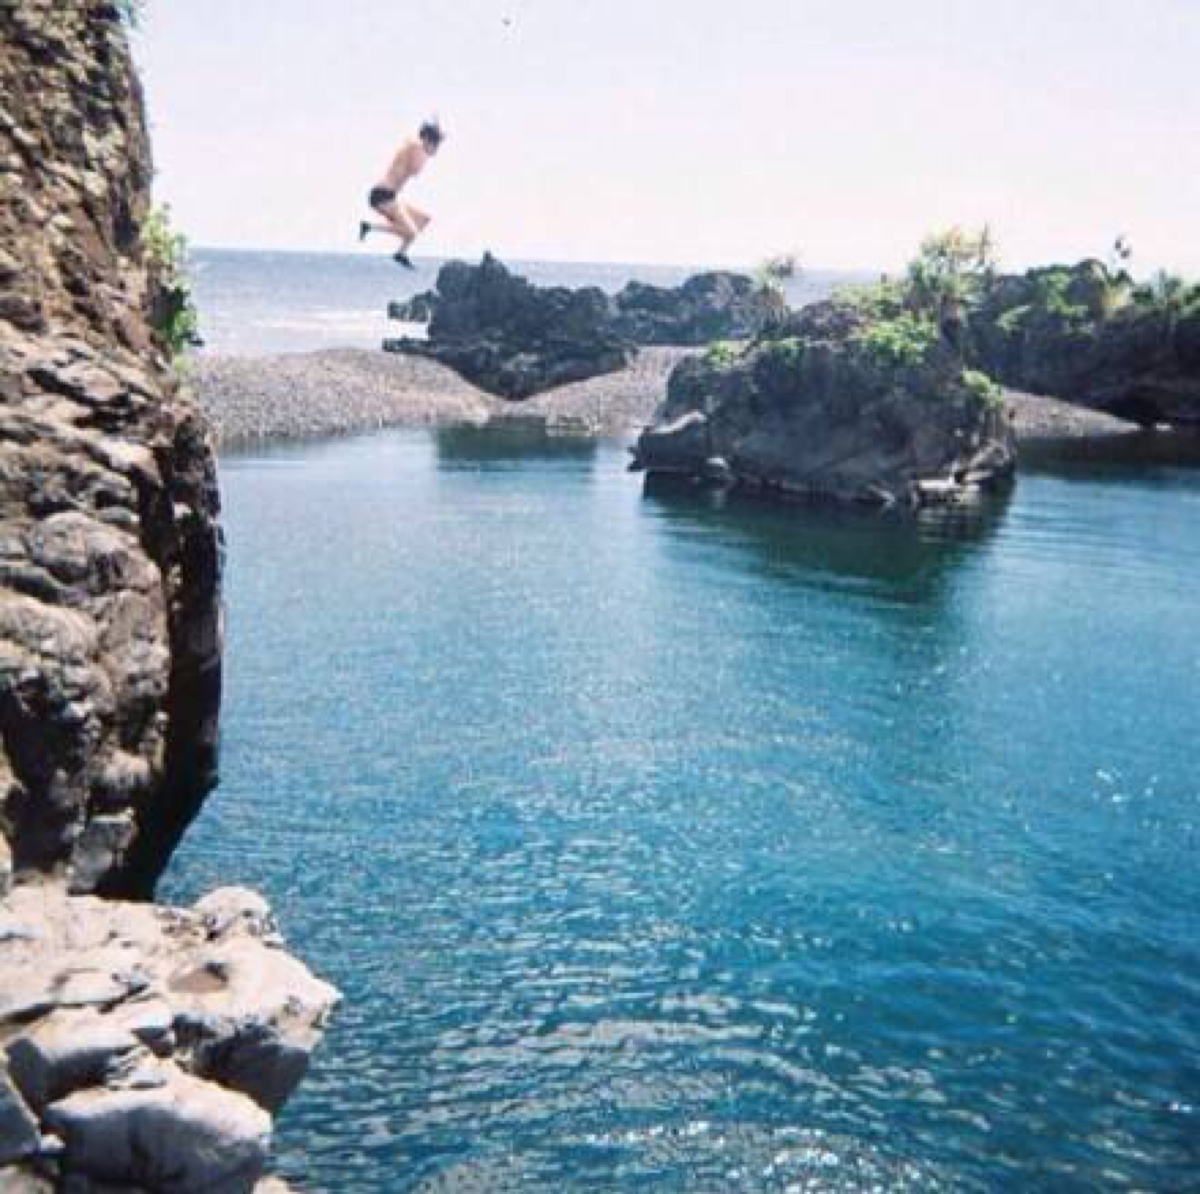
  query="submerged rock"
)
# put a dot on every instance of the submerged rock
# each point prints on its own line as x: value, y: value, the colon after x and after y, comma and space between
x: 839, y: 405
x: 512, y: 338
x: 1086, y: 334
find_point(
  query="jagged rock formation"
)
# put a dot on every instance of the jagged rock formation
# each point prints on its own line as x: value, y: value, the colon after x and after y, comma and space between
x: 512, y: 338
x: 1085, y: 334
x: 838, y: 407
x: 717, y: 305
x: 140, y: 1047
x: 515, y: 339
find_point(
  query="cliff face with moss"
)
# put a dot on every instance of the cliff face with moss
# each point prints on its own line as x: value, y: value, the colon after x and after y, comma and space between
x: 141, y: 1047
x: 110, y: 634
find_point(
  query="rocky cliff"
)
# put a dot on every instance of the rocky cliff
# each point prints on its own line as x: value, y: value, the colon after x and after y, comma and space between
x: 110, y: 636
x: 110, y: 654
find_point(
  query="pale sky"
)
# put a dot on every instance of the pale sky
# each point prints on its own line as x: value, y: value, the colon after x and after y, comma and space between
x: 687, y: 131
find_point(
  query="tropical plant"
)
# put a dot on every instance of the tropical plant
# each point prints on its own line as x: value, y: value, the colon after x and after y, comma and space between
x: 950, y: 274
x: 173, y: 312
x: 722, y: 352
x: 903, y: 341
x: 983, y: 388
x: 770, y: 283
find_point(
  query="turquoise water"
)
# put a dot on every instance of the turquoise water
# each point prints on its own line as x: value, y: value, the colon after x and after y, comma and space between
x: 659, y: 844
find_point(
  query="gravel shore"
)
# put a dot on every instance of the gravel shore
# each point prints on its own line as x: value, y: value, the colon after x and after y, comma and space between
x: 303, y: 395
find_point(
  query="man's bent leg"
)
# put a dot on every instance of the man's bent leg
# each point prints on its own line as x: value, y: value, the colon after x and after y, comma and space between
x: 416, y: 216
x: 401, y: 225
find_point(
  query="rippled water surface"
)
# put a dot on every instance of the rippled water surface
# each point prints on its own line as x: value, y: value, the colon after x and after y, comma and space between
x: 662, y: 845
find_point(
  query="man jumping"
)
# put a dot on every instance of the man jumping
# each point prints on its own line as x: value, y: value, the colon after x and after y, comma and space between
x: 403, y: 220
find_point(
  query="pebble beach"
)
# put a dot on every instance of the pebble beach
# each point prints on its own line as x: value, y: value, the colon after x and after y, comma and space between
x: 304, y: 395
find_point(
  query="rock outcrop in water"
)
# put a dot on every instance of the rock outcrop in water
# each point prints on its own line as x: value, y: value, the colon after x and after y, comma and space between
x: 515, y: 339
x: 1084, y: 333
x: 140, y: 1047
x: 512, y: 338
x: 839, y: 404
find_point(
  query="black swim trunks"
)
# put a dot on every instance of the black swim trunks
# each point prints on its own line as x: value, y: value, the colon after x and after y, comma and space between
x: 379, y: 196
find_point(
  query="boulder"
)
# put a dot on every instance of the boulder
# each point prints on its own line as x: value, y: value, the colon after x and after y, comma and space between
x: 838, y: 405
x: 512, y: 338
x: 147, y: 1046
x: 167, y: 1132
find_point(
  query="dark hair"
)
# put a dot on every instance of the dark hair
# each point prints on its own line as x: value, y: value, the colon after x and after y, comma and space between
x: 431, y: 131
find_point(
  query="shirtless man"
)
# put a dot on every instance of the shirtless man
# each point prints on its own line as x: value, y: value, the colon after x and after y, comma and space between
x: 403, y: 220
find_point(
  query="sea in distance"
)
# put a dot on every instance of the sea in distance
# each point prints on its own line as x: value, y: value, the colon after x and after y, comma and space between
x: 659, y: 842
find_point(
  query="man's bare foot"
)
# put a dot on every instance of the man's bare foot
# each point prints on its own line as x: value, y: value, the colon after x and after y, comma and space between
x: 402, y: 257
x: 363, y: 229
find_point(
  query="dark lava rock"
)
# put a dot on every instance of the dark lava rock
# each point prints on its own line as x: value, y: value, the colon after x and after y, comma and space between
x: 711, y: 306
x: 838, y: 407
x: 512, y: 338
x: 1072, y: 332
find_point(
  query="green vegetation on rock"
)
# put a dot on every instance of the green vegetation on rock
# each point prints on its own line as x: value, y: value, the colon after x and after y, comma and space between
x: 173, y: 312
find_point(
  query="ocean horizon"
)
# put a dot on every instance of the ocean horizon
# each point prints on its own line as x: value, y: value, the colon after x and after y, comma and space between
x: 255, y: 302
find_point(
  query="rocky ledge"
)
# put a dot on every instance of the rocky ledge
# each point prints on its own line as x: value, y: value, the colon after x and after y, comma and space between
x: 145, y: 1047
x: 840, y: 403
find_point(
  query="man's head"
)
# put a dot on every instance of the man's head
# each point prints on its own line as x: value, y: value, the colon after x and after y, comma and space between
x: 431, y: 136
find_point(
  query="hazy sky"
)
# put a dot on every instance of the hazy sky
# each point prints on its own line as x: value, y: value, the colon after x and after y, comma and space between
x: 689, y: 131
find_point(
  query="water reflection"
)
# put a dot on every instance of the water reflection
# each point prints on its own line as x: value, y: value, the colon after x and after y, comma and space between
x: 509, y: 441
x: 1133, y: 455
x: 905, y: 554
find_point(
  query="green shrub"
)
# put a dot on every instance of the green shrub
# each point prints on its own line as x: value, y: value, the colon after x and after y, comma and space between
x: 901, y: 342
x: 982, y: 387
x: 172, y: 311
x: 876, y: 300
x: 722, y: 353
x: 788, y: 351
x: 1012, y: 320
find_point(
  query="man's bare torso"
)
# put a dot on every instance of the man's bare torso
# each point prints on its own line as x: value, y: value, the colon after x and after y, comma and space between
x: 409, y: 161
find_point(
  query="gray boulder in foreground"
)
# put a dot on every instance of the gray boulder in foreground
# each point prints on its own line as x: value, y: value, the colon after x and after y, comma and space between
x: 833, y: 407
x: 144, y: 1046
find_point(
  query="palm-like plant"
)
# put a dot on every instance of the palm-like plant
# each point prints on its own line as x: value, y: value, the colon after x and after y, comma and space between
x: 949, y: 275
x: 770, y: 284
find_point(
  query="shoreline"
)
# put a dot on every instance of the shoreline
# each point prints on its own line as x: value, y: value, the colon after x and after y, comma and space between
x: 342, y: 391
